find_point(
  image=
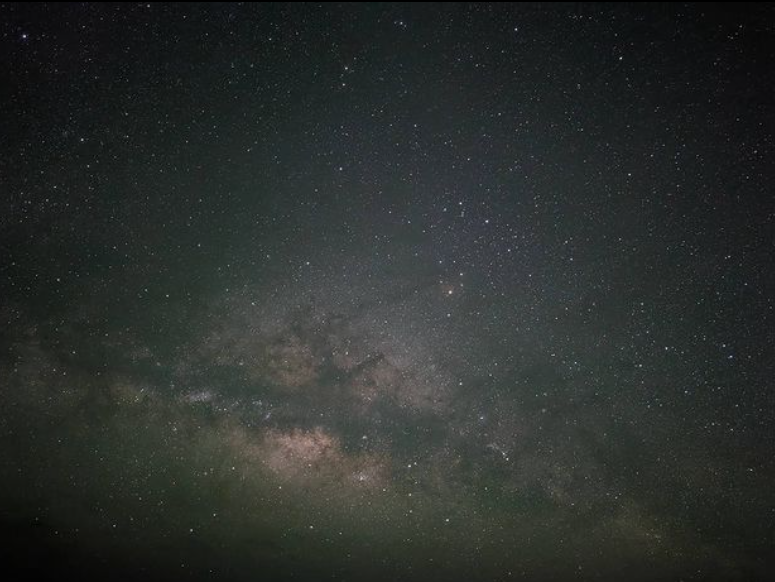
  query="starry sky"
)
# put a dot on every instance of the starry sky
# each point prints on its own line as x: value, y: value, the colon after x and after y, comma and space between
x: 387, y: 292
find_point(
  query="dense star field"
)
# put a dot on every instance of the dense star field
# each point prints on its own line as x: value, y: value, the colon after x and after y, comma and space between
x: 390, y: 292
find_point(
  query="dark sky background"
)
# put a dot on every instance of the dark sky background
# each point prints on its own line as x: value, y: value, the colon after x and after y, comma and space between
x: 387, y: 292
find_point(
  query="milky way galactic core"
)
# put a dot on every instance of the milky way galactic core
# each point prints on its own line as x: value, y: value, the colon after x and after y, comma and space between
x: 387, y: 292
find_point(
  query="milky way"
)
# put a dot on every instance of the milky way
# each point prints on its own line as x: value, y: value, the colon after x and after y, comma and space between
x: 387, y: 292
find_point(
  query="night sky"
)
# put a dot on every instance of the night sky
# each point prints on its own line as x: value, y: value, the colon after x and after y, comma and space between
x: 387, y: 292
